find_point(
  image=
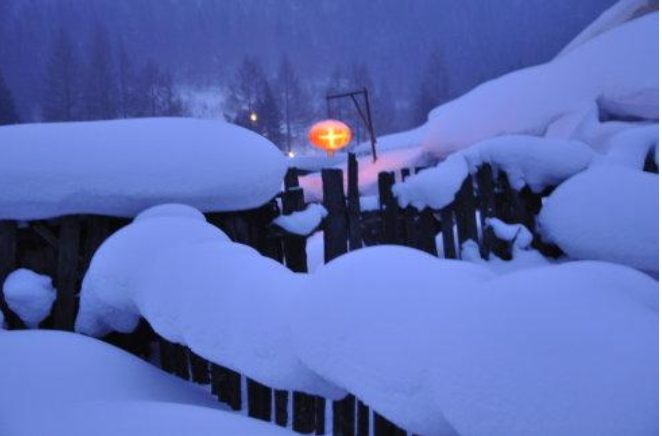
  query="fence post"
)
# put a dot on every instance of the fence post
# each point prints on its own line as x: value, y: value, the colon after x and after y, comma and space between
x: 384, y: 427
x: 353, y: 203
x: 465, y: 213
x: 447, y: 232
x: 335, y: 223
x: 199, y: 368
x: 344, y: 416
x: 64, y: 310
x: 320, y: 416
x: 259, y: 400
x: 362, y: 420
x: 487, y: 207
x: 303, y: 406
x: 282, y: 398
x: 294, y: 246
x: 389, y: 208
x: 8, y: 248
x: 291, y: 179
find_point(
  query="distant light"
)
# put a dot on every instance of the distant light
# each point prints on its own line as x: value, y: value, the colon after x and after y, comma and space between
x: 291, y: 154
x: 253, y: 117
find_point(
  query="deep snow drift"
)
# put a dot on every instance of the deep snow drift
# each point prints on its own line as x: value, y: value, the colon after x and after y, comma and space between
x: 120, y: 168
x: 450, y: 347
x: 606, y: 213
x: 57, y: 383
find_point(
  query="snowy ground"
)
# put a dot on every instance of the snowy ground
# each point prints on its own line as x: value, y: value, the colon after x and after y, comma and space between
x: 532, y: 346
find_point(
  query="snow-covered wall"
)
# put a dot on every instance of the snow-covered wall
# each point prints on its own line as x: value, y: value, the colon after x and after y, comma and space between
x: 120, y: 168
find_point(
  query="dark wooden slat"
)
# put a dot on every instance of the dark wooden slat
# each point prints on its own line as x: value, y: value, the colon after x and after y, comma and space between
x: 294, y: 246
x: 259, y: 400
x: 362, y: 419
x: 320, y: 416
x: 353, y: 203
x: 65, y: 307
x: 447, y: 223
x: 303, y: 420
x: 465, y: 213
x: 199, y: 368
x: 8, y: 258
x: 282, y: 399
x: 335, y: 224
x: 344, y: 416
x: 389, y: 208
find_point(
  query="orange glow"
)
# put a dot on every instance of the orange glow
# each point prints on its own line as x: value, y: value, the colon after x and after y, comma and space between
x: 330, y: 135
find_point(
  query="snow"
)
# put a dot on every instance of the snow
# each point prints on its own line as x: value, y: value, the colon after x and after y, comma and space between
x: 353, y: 325
x: 561, y: 350
x: 622, y: 11
x: 302, y: 223
x: 529, y: 100
x: 230, y: 305
x: 434, y: 187
x: 59, y: 383
x: 546, y: 351
x: 196, y: 288
x: 29, y: 295
x: 110, y: 284
x: 630, y: 147
x: 315, y: 251
x: 606, y: 213
x: 369, y: 203
x: 527, y: 161
x: 120, y: 168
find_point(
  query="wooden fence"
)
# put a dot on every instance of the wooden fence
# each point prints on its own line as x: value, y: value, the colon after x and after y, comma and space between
x: 62, y: 248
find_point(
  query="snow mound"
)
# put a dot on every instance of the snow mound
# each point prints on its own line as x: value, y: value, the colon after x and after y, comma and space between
x: 453, y: 349
x: 303, y: 223
x: 606, y: 213
x: 171, y: 211
x: 561, y: 350
x: 630, y: 147
x: 29, y: 295
x: 101, y: 390
x: 621, y: 12
x: 110, y: 284
x: 527, y: 161
x: 230, y: 305
x: 122, y: 167
x: 363, y: 325
x: 618, y: 67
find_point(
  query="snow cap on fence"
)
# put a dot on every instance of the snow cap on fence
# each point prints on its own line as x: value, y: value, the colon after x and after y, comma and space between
x: 122, y: 167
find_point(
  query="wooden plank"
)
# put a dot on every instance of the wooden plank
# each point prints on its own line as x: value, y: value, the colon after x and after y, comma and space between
x: 291, y: 179
x: 199, y: 369
x: 66, y: 305
x: 362, y: 419
x: 353, y: 203
x: 427, y: 231
x: 8, y: 263
x: 344, y: 416
x: 384, y: 427
x: 487, y: 207
x: 259, y: 400
x: 389, y: 208
x: 282, y: 399
x: 448, y: 235
x: 465, y: 214
x: 303, y: 419
x: 335, y: 224
x: 294, y: 246
x: 320, y: 415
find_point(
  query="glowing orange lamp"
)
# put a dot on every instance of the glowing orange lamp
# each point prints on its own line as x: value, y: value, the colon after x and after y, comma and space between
x: 330, y: 135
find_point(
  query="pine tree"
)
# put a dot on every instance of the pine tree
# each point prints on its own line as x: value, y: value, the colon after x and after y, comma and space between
x: 126, y: 83
x: 433, y: 89
x: 244, y: 93
x: 8, y: 114
x: 269, y: 116
x: 100, y: 92
x: 156, y: 95
x: 62, y: 100
x: 293, y: 101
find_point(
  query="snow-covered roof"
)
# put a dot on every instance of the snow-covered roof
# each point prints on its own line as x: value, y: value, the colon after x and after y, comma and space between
x: 120, y: 168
